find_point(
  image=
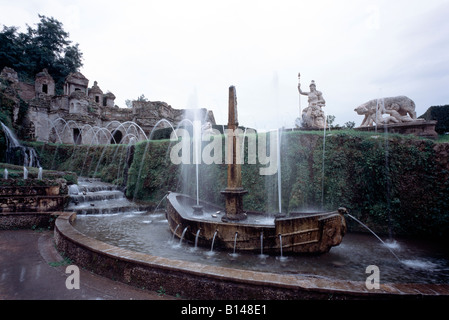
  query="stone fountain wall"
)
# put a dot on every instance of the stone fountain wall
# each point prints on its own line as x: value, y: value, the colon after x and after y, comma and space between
x: 31, y: 203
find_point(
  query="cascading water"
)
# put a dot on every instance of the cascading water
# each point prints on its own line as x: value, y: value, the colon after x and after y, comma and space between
x: 74, y: 189
x: 28, y: 156
x: 91, y: 196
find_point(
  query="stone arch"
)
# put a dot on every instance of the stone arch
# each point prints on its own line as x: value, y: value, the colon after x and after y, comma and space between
x: 117, y: 137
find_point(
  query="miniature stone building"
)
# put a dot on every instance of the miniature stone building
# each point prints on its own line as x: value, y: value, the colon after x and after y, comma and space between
x: 75, y: 82
x: 44, y: 84
x: 96, y: 93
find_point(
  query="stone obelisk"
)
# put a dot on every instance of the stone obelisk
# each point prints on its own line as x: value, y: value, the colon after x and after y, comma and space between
x: 234, y: 191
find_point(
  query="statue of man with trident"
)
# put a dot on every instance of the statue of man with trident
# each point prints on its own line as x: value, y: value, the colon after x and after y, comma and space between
x: 313, y: 116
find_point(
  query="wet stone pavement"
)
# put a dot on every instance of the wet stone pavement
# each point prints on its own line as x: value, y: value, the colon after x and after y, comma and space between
x: 32, y: 269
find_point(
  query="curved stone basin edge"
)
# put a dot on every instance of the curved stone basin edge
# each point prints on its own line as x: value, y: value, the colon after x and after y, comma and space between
x: 193, y: 280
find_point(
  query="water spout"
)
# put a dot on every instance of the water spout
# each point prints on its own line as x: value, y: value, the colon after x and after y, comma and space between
x: 25, y: 173
x: 279, y: 170
x: 262, y: 255
x: 197, y: 155
x: 213, y: 240
x: 5, y: 174
x: 155, y: 210
x: 366, y: 227
x: 280, y: 243
x: 235, y: 241
x: 182, y: 236
x: 196, y: 238
x: 174, y: 232
x: 281, y: 257
x: 39, y: 174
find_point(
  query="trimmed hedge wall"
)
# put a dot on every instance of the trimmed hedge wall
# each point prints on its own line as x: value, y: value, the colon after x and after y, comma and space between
x: 397, y: 184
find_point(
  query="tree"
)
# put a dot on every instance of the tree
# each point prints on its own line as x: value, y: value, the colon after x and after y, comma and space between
x: 10, y: 51
x: 142, y: 98
x: 46, y: 46
x: 129, y: 103
x: 439, y: 113
x: 349, y: 125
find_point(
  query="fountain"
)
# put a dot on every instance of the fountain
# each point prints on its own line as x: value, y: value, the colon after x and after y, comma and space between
x: 255, y: 262
x: 297, y: 232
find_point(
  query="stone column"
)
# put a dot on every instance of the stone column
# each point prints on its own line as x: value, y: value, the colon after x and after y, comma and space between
x: 234, y: 191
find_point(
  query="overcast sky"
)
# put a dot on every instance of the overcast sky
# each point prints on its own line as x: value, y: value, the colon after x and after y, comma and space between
x: 187, y: 53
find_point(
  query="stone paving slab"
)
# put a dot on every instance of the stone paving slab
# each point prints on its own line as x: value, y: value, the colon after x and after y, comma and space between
x: 31, y: 269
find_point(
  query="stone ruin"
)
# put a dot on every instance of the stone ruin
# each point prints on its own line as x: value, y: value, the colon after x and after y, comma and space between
x: 67, y: 118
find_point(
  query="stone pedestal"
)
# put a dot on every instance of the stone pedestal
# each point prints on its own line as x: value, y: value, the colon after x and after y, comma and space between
x: 234, y: 204
x: 425, y: 129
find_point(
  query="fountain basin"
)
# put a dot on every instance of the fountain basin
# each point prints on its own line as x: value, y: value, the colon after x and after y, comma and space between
x: 195, y: 280
x: 299, y: 233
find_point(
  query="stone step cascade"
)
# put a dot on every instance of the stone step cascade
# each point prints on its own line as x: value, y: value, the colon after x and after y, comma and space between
x: 32, y: 198
x: 92, y: 196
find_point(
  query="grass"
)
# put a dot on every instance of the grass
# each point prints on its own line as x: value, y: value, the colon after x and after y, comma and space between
x: 443, y: 138
x: 65, y: 262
